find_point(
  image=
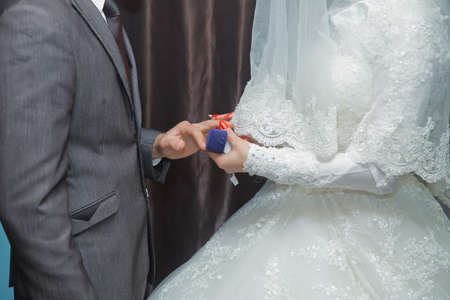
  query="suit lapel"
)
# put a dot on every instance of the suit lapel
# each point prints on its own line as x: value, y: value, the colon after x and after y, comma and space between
x: 134, y: 80
x: 97, y: 24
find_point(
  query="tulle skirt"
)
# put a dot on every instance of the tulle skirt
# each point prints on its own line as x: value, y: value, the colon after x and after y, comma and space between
x: 289, y: 242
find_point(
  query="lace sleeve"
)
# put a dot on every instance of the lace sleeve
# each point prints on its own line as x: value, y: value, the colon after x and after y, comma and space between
x: 404, y: 129
x: 407, y: 128
x: 290, y: 166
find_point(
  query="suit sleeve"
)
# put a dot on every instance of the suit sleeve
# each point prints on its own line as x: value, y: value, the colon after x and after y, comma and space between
x: 159, y: 172
x: 37, y: 80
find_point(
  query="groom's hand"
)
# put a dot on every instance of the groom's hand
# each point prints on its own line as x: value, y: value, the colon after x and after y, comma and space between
x: 183, y: 140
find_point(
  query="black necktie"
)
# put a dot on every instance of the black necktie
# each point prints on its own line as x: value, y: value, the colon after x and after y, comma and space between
x: 112, y: 14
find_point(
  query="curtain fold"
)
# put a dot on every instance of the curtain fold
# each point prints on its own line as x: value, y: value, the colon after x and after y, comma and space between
x: 193, y: 59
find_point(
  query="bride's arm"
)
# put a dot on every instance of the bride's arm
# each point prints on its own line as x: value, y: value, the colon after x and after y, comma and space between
x: 290, y: 166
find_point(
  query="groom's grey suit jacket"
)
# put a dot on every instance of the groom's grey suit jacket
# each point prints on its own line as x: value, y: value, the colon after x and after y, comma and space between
x: 72, y: 156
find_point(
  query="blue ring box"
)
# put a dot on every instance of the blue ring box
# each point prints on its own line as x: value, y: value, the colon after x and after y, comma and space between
x: 216, y: 140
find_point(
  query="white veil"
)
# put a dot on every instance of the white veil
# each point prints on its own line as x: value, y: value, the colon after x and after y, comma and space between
x: 289, y: 100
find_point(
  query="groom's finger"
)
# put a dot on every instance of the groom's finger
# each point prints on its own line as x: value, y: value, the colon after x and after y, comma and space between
x: 206, y: 126
x: 196, y: 134
x: 174, y: 143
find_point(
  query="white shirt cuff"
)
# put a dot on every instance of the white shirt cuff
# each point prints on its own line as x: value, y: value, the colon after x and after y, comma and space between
x: 156, y: 161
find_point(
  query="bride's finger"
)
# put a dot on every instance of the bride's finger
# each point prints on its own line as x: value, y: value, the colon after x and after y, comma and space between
x: 232, y: 138
x: 219, y: 159
x: 215, y: 157
x: 225, y: 117
x: 206, y: 126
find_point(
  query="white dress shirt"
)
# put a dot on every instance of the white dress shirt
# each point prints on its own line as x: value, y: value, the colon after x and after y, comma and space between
x: 100, y: 4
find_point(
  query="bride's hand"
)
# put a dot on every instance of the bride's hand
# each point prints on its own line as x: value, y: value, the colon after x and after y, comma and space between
x: 224, y: 117
x: 233, y: 161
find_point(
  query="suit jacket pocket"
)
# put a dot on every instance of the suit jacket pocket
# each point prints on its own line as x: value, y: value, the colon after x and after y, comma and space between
x: 94, y: 213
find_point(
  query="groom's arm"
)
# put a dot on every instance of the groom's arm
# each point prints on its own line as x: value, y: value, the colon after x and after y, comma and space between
x: 155, y: 168
x: 37, y: 79
x: 181, y: 141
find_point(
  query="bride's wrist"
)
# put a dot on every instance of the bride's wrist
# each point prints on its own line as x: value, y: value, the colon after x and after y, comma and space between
x: 247, y: 165
x: 244, y: 154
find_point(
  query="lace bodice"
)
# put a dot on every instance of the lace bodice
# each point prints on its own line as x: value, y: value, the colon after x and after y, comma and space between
x: 352, y: 76
x: 391, y: 100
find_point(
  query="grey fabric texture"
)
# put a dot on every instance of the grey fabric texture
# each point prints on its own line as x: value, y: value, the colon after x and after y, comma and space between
x: 72, y: 156
x: 159, y: 172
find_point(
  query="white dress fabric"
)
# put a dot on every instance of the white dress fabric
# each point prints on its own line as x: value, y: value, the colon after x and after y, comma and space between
x: 346, y: 213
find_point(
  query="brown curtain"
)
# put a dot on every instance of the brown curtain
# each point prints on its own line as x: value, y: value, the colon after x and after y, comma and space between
x: 193, y: 59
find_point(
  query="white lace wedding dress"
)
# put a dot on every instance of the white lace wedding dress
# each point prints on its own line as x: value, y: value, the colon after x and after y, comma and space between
x: 346, y: 213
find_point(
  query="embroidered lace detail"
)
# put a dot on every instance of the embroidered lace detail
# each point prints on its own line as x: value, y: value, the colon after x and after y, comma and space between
x: 329, y: 252
x: 390, y: 76
x: 214, y: 255
x: 339, y: 293
x: 413, y: 54
x: 275, y: 288
x: 272, y: 120
x: 290, y: 242
x: 285, y: 166
x: 398, y: 156
x: 398, y: 261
